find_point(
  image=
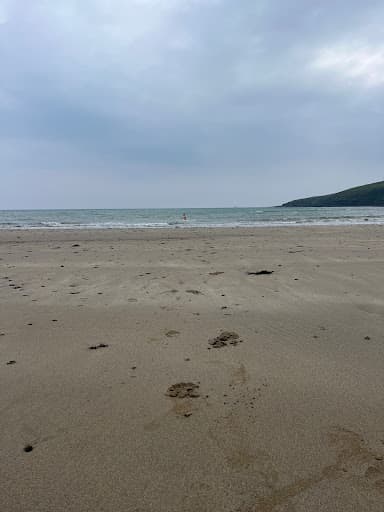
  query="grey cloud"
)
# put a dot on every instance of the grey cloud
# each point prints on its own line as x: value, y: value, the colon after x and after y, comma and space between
x: 161, y: 91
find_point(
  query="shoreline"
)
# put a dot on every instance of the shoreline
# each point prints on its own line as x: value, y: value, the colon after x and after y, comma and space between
x: 127, y: 233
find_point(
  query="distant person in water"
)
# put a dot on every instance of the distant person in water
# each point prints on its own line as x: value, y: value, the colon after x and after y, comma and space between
x: 184, y: 217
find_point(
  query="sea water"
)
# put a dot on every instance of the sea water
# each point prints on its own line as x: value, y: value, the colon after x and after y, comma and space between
x: 196, y: 217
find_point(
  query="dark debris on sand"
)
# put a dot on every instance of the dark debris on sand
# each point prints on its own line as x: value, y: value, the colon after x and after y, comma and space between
x: 261, y: 273
x: 100, y: 345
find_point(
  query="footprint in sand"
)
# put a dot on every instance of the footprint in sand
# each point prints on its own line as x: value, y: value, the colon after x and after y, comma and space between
x: 240, y: 376
x: 172, y: 333
x: 183, y: 390
x: 225, y: 338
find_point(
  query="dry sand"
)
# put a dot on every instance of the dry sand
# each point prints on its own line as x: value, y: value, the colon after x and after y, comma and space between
x: 286, y: 417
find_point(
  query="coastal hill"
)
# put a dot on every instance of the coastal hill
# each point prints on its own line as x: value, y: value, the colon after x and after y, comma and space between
x: 366, y: 195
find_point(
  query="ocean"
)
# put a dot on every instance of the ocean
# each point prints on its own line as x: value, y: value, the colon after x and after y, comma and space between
x: 196, y: 217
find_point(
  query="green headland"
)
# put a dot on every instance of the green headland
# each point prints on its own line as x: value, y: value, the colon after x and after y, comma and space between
x: 366, y: 195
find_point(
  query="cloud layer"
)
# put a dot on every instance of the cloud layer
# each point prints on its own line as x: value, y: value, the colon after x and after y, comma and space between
x: 133, y: 103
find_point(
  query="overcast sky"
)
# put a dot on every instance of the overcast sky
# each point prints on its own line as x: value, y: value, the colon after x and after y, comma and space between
x: 182, y: 103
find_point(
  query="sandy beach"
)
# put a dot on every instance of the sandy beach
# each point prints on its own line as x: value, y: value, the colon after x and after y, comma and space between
x: 282, y: 413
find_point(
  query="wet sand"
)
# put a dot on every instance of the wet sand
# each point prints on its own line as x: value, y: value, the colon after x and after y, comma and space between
x: 120, y: 392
